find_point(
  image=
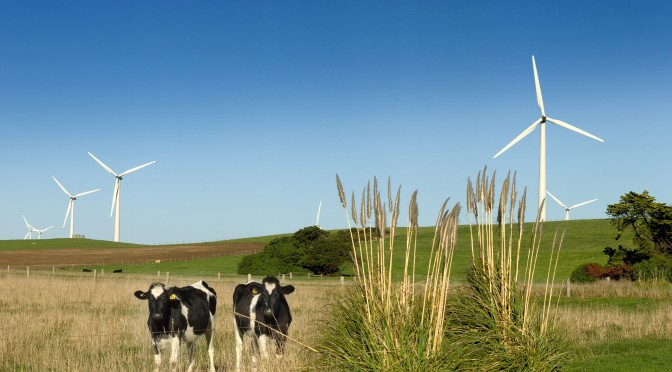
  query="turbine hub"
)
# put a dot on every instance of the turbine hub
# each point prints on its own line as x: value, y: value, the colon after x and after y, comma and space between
x: 543, y: 119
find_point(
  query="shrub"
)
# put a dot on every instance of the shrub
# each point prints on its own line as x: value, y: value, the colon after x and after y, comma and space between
x: 586, y: 273
x: 309, y: 249
x: 657, y: 268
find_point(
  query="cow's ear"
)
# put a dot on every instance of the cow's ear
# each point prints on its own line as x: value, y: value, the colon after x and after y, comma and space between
x: 140, y: 295
x: 172, y: 296
x: 254, y: 288
x: 287, y: 289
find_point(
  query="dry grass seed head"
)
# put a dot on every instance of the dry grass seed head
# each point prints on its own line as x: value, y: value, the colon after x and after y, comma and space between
x: 341, y: 194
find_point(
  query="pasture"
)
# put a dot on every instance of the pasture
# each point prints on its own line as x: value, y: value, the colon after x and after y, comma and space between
x: 63, y: 319
x: 71, y: 322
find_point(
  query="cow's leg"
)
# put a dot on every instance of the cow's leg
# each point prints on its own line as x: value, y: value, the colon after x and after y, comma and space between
x: 157, y: 355
x: 263, y: 346
x: 211, y: 347
x: 174, y: 351
x: 239, y: 346
x: 255, y: 347
x: 191, y: 345
x: 280, y: 339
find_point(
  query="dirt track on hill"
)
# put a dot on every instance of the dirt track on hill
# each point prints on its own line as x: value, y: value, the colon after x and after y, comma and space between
x: 77, y: 257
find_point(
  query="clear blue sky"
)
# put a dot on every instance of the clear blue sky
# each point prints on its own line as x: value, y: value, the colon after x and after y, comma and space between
x: 251, y: 108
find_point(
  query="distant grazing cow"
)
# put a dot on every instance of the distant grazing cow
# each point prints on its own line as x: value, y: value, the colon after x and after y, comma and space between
x: 261, y: 311
x: 117, y: 271
x: 86, y: 270
x: 178, y: 315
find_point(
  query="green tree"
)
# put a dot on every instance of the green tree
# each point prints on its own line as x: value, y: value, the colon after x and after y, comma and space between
x: 650, y: 221
x: 328, y: 254
x: 309, y: 249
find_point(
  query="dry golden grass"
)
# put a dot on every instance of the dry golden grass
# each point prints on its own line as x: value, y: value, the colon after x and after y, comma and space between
x: 589, y: 325
x: 62, y: 323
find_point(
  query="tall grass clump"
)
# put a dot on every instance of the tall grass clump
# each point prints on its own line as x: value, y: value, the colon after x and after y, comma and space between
x: 386, y: 323
x: 494, y: 321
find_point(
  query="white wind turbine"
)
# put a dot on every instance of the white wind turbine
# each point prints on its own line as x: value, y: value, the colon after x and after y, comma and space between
x: 541, y: 122
x: 317, y: 221
x: 567, y: 209
x: 71, y: 206
x: 117, y: 185
x: 39, y: 232
x: 29, y: 234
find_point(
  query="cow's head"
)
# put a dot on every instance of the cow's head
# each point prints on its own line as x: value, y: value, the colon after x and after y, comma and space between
x: 159, y: 300
x: 272, y: 295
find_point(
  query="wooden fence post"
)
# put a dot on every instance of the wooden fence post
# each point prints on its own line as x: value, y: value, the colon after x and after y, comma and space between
x: 249, y: 277
x: 95, y: 272
x: 27, y: 271
x: 342, y: 280
x: 569, y: 287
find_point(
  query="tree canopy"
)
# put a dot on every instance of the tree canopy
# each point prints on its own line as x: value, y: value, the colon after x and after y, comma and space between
x: 310, y: 249
x: 650, y: 221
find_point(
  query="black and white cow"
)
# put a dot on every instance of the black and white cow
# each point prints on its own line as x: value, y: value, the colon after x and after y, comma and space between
x: 178, y: 315
x: 261, y: 311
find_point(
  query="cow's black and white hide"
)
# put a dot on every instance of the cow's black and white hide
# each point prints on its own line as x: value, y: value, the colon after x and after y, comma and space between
x: 180, y: 315
x: 261, y: 311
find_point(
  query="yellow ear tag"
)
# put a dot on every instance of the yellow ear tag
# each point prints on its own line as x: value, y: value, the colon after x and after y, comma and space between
x: 173, y: 297
x: 254, y: 291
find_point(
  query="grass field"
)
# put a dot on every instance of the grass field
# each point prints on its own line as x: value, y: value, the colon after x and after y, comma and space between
x: 69, y: 323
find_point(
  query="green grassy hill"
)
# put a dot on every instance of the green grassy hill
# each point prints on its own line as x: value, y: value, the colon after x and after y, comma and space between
x: 60, y: 243
x: 584, y: 241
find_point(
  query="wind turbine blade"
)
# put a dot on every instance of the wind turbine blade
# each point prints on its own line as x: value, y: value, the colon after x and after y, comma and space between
x: 520, y: 136
x: 115, y: 195
x: 67, y: 212
x: 26, y: 221
x: 102, y: 164
x: 62, y: 188
x: 136, y: 168
x: 85, y: 193
x: 573, y: 128
x: 556, y: 199
x: 540, y: 100
x: 580, y: 204
x: 47, y: 228
x: 26, y: 237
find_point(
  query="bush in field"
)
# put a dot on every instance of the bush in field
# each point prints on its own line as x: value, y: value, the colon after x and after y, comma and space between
x: 309, y: 249
x: 658, y: 267
x: 327, y: 254
x: 586, y: 273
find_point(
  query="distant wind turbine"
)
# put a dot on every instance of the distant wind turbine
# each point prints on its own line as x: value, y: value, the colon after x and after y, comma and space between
x: 116, y: 194
x: 32, y: 229
x: 567, y: 209
x: 39, y: 232
x: 71, y: 206
x: 29, y: 234
x: 541, y: 122
x: 317, y: 221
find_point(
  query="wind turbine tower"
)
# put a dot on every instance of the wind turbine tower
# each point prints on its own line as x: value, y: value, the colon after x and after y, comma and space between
x: 317, y: 221
x: 116, y: 195
x: 541, y: 122
x: 71, y: 206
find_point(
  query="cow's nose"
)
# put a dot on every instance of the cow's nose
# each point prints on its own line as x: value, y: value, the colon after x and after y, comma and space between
x: 158, y: 316
x: 268, y: 312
